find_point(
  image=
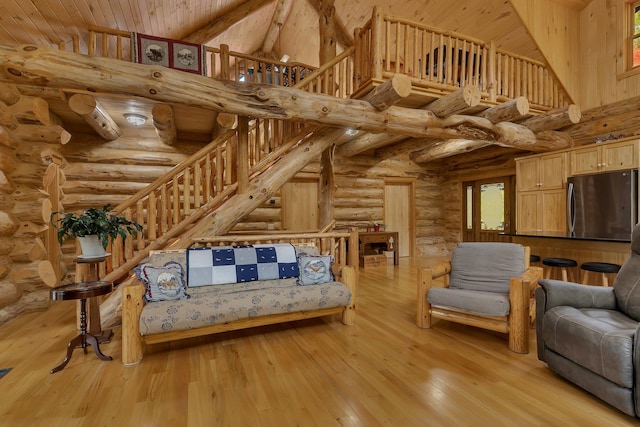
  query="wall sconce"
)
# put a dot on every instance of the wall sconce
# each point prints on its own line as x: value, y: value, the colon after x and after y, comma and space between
x: 135, y: 119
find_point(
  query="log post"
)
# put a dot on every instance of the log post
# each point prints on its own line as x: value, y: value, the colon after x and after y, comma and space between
x: 95, y: 115
x: 165, y: 123
x: 243, y: 154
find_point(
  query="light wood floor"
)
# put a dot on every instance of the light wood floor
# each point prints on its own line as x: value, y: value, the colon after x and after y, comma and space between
x: 383, y: 371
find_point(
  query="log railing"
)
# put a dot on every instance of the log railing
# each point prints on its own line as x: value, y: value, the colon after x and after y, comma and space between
x: 221, y: 62
x: 204, y: 180
x: 335, y: 78
x: 445, y: 61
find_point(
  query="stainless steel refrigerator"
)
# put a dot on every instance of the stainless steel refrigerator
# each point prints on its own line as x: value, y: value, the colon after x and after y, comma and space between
x: 603, y: 205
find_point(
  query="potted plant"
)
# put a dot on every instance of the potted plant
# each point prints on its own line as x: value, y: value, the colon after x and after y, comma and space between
x: 93, y: 228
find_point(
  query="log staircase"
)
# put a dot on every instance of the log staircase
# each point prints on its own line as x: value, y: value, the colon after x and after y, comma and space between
x: 241, y: 168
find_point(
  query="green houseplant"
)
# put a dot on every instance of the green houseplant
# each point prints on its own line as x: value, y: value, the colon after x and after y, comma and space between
x: 96, y: 225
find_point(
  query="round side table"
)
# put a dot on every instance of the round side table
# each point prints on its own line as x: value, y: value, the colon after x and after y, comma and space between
x: 81, y: 291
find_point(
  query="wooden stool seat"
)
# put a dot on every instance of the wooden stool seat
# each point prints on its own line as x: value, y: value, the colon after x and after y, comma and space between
x: 563, y: 264
x: 603, y: 268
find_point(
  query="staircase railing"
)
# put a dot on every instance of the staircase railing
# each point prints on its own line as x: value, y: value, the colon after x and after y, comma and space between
x: 204, y: 180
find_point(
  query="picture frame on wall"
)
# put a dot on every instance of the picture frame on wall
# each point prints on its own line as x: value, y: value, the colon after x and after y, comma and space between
x: 175, y: 54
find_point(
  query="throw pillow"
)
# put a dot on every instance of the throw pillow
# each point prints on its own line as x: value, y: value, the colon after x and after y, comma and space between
x: 315, y: 269
x: 163, y: 283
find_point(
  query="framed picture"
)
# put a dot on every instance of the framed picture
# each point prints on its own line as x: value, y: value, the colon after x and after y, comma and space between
x: 175, y: 54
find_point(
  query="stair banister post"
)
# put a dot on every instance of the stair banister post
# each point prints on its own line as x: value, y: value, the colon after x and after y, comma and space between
x: 492, y: 83
x: 224, y: 62
x: 378, y: 41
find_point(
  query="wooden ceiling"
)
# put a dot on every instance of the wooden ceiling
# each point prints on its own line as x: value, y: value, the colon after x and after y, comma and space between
x: 296, y: 29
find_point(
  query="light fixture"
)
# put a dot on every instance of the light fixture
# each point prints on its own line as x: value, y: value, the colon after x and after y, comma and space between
x: 135, y: 119
x: 285, y: 58
x: 351, y: 132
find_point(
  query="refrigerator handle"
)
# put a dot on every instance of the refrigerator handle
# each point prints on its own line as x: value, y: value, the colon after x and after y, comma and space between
x: 571, y: 208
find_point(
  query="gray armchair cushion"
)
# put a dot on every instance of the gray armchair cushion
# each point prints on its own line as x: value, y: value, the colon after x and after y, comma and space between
x: 485, y: 303
x: 486, y: 266
x: 596, y: 339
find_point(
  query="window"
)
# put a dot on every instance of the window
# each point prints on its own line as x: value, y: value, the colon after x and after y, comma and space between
x: 634, y: 34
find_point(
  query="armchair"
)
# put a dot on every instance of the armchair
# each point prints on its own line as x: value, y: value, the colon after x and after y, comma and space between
x: 590, y: 334
x: 486, y: 284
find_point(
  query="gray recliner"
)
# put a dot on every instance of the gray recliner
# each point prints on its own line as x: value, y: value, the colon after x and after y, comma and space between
x: 590, y: 335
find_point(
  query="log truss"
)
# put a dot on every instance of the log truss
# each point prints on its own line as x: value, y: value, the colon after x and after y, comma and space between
x: 451, y: 125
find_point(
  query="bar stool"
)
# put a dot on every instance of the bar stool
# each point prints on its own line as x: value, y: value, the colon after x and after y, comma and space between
x: 564, y: 264
x: 598, y: 267
x: 534, y: 259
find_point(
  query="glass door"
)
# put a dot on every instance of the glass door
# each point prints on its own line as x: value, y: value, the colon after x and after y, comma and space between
x: 488, y: 209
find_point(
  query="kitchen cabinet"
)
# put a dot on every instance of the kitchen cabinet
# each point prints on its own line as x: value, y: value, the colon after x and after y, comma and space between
x: 604, y: 157
x: 541, y: 172
x: 540, y: 193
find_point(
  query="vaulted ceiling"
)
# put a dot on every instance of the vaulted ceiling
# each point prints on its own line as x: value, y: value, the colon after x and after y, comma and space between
x: 275, y: 27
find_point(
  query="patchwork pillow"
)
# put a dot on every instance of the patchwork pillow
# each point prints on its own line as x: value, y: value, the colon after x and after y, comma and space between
x: 164, y: 283
x: 315, y: 270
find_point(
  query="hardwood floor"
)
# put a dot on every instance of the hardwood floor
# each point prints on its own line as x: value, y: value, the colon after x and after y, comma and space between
x: 383, y: 371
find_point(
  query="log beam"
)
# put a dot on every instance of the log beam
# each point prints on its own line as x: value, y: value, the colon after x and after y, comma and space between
x: 53, y: 134
x: 554, y: 119
x: 43, y: 66
x: 165, y: 124
x: 455, y: 102
x: 390, y: 92
x: 442, y: 149
x: 219, y: 25
x: 280, y: 15
x: 511, y: 110
x: 369, y: 141
x: 31, y: 109
x: 91, y: 111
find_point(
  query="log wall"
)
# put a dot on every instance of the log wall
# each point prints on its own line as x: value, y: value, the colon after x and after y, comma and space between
x: 26, y: 274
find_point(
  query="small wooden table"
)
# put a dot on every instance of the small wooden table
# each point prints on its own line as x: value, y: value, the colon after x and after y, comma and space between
x: 92, y: 274
x: 81, y: 291
x: 388, y: 240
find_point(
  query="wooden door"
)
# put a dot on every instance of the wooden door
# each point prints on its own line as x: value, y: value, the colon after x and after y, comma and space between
x: 398, y: 214
x: 620, y: 156
x: 300, y: 205
x: 585, y: 160
x: 488, y: 207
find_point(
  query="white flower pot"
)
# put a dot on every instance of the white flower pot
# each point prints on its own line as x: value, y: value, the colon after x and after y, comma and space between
x: 91, y: 246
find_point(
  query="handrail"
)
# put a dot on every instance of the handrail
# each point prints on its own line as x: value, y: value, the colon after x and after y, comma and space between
x: 335, y: 75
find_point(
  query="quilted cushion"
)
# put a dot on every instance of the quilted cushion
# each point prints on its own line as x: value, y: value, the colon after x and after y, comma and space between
x: 486, y: 266
x: 596, y: 339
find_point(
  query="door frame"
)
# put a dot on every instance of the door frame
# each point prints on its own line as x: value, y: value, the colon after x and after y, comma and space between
x: 411, y: 183
x: 473, y: 234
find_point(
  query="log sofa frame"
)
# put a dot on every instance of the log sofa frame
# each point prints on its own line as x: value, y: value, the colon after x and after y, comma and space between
x: 334, y: 243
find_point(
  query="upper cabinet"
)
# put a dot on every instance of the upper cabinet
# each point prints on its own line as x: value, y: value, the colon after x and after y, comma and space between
x: 604, y: 157
x: 540, y: 194
x: 541, y: 172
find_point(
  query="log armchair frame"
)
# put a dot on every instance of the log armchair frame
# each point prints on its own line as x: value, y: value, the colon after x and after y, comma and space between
x: 516, y: 323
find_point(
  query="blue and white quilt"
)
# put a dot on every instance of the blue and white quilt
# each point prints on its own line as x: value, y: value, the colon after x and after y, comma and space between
x: 235, y: 264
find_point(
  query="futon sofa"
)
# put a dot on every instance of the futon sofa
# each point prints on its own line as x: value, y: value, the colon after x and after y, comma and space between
x: 211, y: 288
x: 590, y: 335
